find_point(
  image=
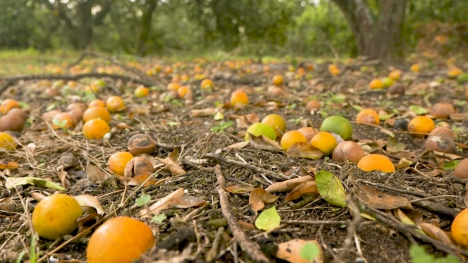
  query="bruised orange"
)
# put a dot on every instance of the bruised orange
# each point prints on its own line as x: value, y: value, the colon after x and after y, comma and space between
x: 460, y: 228
x: 121, y: 239
x: 115, y: 104
x: 376, y: 162
x: 118, y: 161
x: 96, y: 113
x: 239, y: 96
x: 290, y: 138
x: 421, y: 124
x: 368, y: 116
x: 95, y: 129
x: 7, y: 105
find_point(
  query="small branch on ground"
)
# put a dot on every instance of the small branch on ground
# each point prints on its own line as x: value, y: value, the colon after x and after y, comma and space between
x: 252, y: 249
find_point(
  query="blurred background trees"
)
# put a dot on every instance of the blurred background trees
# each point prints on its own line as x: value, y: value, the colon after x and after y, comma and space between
x: 385, y: 29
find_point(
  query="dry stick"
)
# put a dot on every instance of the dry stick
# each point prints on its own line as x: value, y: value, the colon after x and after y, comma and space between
x: 252, y: 249
x: 247, y: 165
x: 351, y: 230
x: 211, y: 255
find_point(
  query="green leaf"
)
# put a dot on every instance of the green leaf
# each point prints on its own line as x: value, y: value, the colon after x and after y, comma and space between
x: 330, y: 188
x: 268, y: 219
x: 356, y: 107
x: 17, y: 181
x: 219, y: 116
x: 159, y: 218
x: 51, y: 106
x: 309, y: 251
x: 418, y: 109
x: 419, y: 255
x: 142, y: 200
x: 450, y: 165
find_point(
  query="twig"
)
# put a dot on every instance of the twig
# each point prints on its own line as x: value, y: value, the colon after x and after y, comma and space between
x: 211, y: 255
x: 351, y: 229
x: 252, y: 249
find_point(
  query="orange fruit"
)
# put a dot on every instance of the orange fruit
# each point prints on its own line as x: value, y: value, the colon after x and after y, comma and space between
x: 55, y: 216
x: 173, y: 86
x: 97, y: 103
x: 368, y: 116
x: 182, y: 91
x: 460, y: 228
x: 395, y: 74
x: 7, y: 105
x: 290, y: 138
x: 276, y: 122
x: 95, y: 129
x: 141, y: 92
x: 185, y: 78
x: 376, y: 84
x: 7, y: 141
x: 333, y: 69
x: 239, y: 96
x: 118, y: 161
x: 421, y: 124
x: 120, y: 239
x: 376, y: 162
x: 454, y: 72
x: 325, y: 142
x: 115, y: 104
x: 97, y: 113
x: 415, y: 68
x: 63, y: 120
x: 348, y: 151
x: 206, y: 84
x: 277, y: 80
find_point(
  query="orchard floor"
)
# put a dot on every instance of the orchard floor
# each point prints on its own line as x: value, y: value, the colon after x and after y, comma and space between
x: 187, y: 234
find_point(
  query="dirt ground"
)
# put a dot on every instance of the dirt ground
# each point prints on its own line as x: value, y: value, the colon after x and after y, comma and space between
x: 187, y: 234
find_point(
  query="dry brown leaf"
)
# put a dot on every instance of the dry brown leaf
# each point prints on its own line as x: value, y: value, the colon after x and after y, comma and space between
x: 309, y: 188
x: 7, y: 205
x: 436, y: 233
x: 288, y: 185
x: 164, y: 203
x: 258, y: 198
x: 297, y: 171
x: 91, y: 201
x: 245, y: 121
x: 403, y: 163
x: 379, y: 200
x: 38, y: 196
x: 240, y: 188
x: 238, y: 145
x: 171, y: 165
x: 291, y: 251
x: 95, y: 174
x: 203, y: 112
x: 304, y: 150
x: 247, y: 226
x: 458, y: 116
x: 187, y: 201
x: 393, y: 145
x: 62, y: 175
x: 264, y: 143
x: 140, y: 179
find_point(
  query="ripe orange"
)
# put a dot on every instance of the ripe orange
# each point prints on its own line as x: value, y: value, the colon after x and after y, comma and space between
x: 376, y: 84
x: 173, y: 86
x: 239, y: 96
x: 55, y: 216
x: 182, y: 91
x: 95, y: 129
x: 7, y: 105
x: 368, y: 116
x: 460, y: 228
x: 141, y: 92
x: 97, y: 113
x: 97, y: 103
x: 421, y: 124
x: 6, y: 141
x: 115, y: 104
x: 206, y: 84
x: 376, y: 162
x: 333, y: 69
x: 325, y: 142
x: 415, y: 68
x: 290, y: 138
x: 121, y: 239
x: 277, y: 80
x: 276, y: 122
x: 395, y: 74
x: 118, y: 161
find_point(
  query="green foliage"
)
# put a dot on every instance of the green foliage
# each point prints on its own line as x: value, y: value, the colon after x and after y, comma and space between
x: 142, y: 200
x: 309, y: 251
x: 222, y: 126
x: 268, y: 219
x: 330, y: 188
x: 419, y: 255
x: 159, y: 218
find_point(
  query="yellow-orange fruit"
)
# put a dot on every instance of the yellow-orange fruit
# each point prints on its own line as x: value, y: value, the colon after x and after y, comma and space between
x: 290, y: 138
x: 95, y: 129
x: 7, y: 105
x: 206, y: 84
x: 97, y: 113
x: 376, y: 162
x: 415, y: 68
x: 63, y: 120
x: 348, y: 151
x: 173, y: 86
x: 460, y: 228
x: 115, y: 104
x: 277, y: 80
x: 97, y: 103
x: 277, y: 123
x: 121, y: 239
x: 368, y: 116
x: 442, y: 110
x: 182, y: 91
x: 240, y: 97
x: 141, y: 92
x: 55, y: 216
x: 376, y: 84
x: 308, y: 132
x: 325, y: 142
x: 118, y: 161
x: 395, y: 74
x: 421, y: 124
x: 7, y: 141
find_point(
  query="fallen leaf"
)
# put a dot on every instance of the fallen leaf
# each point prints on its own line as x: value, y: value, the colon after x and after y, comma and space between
x: 300, y: 251
x: 258, y: 198
x: 288, y: 185
x: 304, y: 150
x: 238, y: 145
x: 330, y: 188
x: 403, y: 163
x: 458, y: 116
x: 203, y: 112
x: 164, y: 203
x: 379, y: 200
x: 436, y: 233
x: 268, y: 219
x: 405, y: 219
x: 240, y: 188
x: 246, y: 120
x: 11, y: 182
x: 172, y: 166
x: 451, y: 165
x: 188, y: 201
x: 309, y: 188
x: 62, y: 175
x: 393, y: 145
x: 140, y: 179
x: 264, y: 143
x: 91, y: 201
x: 417, y: 109
x: 95, y: 174
x: 7, y: 205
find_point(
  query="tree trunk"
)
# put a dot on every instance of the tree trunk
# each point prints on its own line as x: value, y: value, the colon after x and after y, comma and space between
x: 150, y: 6
x: 376, y: 37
